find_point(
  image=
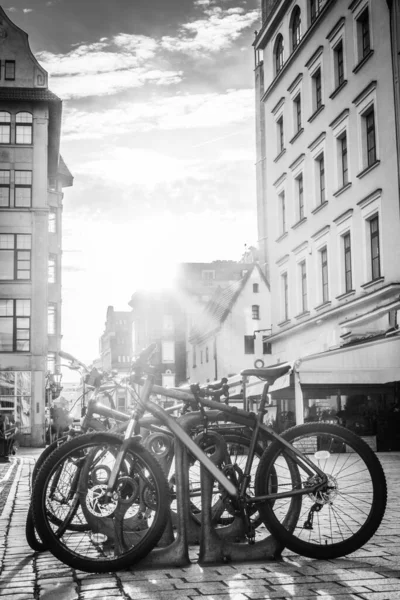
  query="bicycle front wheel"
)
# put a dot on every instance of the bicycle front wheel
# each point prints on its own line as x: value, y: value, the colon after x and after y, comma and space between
x: 115, y: 532
x: 345, y: 513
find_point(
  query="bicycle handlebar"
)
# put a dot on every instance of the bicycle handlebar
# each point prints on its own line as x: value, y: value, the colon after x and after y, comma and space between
x: 72, y: 359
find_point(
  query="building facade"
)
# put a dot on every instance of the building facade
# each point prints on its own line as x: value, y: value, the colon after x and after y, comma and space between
x: 32, y: 176
x: 231, y: 333
x: 158, y: 317
x: 328, y: 203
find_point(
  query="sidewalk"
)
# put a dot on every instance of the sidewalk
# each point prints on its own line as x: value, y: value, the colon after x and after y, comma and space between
x: 372, y: 573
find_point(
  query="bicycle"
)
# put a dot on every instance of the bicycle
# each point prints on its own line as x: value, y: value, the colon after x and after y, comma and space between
x: 319, y: 489
x: 157, y: 442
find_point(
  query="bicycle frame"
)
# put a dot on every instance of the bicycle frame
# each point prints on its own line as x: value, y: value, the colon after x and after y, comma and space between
x: 235, y: 414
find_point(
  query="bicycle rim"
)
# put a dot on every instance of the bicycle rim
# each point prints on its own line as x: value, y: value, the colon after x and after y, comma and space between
x: 115, y: 532
x: 344, y: 514
x: 237, y: 448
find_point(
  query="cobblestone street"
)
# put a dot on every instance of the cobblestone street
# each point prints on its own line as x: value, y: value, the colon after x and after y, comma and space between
x: 372, y: 573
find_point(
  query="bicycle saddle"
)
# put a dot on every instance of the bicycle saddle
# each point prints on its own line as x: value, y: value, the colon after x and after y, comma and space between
x: 268, y: 373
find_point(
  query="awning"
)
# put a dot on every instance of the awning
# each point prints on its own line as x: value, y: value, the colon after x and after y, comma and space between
x: 376, y: 362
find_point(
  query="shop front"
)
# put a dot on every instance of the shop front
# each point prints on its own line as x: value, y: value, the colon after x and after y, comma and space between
x: 356, y: 386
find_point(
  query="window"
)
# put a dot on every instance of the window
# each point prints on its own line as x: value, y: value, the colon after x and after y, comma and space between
x: 255, y: 311
x: 321, y: 179
x: 280, y: 135
x: 363, y: 34
x: 207, y: 355
x: 282, y: 213
x: 5, y: 127
x: 121, y: 403
x: 344, y: 170
x: 249, y: 344
x: 303, y: 286
x: 201, y: 357
x: 52, y: 220
x: 256, y: 288
x: 51, y: 318
x: 208, y: 277
x: 52, y: 268
x: 15, y: 325
x: 15, y: 393
x: 324, y: 275
x: 300, y: 196
x: 168, y: 379
x: 266, y: 346
x: 15, y: 256
x: 4, y: 189
x: 51, y: 362
x: 285, y: 296
x: 338, y: 64
x: 278, y: 54
x: 348, y: 277
x: 194, y: 356
x: 168, y: 351
x: 23, y: 189
x: 369, y: 124
x: 317, y: 89
x: 9, y: 70
x: 375, y: 248
x: 297, y: 113
x: 23, y: 128
x: 296, y: 27
x: 315, y: 8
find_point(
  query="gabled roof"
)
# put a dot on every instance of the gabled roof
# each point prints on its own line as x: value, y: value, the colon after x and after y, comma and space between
x: 217, y: 309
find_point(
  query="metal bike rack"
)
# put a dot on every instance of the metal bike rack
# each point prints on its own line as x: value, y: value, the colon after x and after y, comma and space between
x: 217, y: 545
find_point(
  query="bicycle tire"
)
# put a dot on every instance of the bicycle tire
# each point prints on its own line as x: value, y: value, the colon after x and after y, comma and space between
x: 32, y: 536
x: 356, y: 486
x: 107, y: 544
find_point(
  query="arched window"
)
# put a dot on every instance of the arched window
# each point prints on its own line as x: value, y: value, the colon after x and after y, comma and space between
x: 296, y: 27
x: 5, y: 127
x: 278, y: 53
x: 23, y: 128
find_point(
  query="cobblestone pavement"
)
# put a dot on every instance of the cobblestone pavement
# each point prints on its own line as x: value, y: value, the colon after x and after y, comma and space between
x: 372, y: 573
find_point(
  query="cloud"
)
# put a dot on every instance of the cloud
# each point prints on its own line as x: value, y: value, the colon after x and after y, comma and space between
x: 107, y: 67
x: 216, y: 32
x: 12, y: 9
x: 186, y: 111
x: 127, y: 61
x: 27, y: 10
x: 95, y: 84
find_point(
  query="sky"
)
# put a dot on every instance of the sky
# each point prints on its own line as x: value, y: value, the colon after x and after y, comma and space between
x: 159, y: 134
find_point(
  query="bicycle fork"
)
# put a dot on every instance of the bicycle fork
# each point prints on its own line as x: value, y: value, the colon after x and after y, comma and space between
x: 129, y: 436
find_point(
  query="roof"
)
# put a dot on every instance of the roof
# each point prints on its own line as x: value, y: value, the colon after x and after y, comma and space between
x: 29, y: 94
x: 64, y: 172
x: 217, y: 309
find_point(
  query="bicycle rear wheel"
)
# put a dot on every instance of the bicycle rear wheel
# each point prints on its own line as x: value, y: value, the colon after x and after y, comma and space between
x: 344, y: 514
x: 115, y: 533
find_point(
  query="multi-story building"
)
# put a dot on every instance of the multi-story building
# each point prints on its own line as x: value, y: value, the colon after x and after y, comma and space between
x: 32, y: 175
x: 116, y: 341
x: 232, y: 331
x: 328, y: 203
x: 158, y: 317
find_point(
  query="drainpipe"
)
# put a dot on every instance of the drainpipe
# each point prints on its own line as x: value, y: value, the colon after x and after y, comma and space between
x: 215, y: 359
x: 298, y: 394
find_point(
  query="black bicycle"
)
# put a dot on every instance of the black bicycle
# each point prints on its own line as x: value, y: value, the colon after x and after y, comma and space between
x: 319, y: 488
